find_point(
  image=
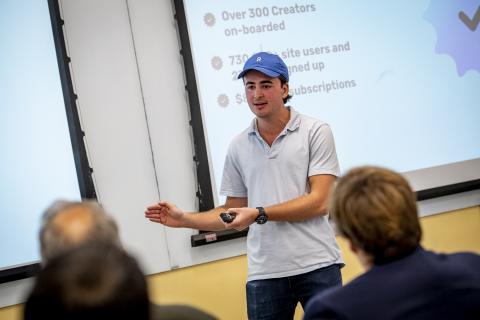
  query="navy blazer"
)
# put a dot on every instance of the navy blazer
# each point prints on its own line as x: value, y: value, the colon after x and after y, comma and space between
x: 422, y: 285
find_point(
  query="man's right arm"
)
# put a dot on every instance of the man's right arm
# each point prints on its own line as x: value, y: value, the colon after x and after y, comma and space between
x: 170, y: 215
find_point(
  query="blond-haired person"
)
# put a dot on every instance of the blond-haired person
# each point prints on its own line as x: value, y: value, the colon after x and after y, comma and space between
x: 375, y: 210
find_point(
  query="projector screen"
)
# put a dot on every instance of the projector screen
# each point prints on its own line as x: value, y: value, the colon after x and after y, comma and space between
x: 398, y: 81
x: 42, y: 153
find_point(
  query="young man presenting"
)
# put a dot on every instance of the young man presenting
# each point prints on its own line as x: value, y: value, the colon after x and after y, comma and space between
x: 277, y: 176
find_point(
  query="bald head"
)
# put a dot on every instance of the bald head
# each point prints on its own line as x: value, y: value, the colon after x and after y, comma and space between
x: 66, y: 225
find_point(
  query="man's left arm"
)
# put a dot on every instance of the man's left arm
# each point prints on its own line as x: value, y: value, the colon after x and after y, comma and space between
x: 307, y: 206
x: 304, y: 207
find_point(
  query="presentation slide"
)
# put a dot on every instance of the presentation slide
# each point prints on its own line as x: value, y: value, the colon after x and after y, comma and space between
x: 398, y: 81
x: 36, y: 161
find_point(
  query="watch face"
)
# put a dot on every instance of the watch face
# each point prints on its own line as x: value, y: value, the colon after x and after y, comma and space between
x: 261, y: 219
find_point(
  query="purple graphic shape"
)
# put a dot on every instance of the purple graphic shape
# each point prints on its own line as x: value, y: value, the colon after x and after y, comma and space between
x: 454, y: 37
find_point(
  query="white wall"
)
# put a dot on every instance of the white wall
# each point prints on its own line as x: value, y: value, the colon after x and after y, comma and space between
x: 128, y: 76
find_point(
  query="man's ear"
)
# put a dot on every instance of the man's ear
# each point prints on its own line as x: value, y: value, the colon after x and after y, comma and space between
x: 286, y: 89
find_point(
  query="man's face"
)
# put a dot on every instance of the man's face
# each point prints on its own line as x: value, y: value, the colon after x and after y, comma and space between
x: 264, y: 94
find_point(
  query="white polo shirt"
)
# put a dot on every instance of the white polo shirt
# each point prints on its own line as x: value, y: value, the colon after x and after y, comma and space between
x: 271, y: 175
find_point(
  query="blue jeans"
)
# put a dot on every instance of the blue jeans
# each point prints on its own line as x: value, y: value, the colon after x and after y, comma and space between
x: 278, y: 298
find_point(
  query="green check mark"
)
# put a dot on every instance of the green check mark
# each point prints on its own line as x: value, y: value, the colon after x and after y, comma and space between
x: 472, y: 24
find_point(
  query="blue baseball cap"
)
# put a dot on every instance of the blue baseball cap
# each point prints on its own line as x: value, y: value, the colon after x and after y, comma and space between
x: 267, y: 63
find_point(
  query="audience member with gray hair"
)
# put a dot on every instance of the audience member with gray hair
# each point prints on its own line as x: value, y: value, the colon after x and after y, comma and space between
x: 67, y: 224
x: 75, y: 232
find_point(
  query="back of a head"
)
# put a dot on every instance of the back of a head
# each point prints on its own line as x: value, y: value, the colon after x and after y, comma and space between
x: 376, y: 210
x: 89, y: 282
x: 66, y: 225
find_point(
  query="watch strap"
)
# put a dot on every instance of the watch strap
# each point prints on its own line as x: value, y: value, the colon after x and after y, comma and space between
x: 262, y: 216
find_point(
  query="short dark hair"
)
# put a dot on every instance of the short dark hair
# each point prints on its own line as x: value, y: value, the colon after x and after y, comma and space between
x: 89, y: 282
x: 376, y: 209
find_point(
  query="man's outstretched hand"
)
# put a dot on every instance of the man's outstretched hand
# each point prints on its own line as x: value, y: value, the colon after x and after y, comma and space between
x: 165, y: 213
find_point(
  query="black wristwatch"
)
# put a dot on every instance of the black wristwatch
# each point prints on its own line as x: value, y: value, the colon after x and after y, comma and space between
x: 262, y: 216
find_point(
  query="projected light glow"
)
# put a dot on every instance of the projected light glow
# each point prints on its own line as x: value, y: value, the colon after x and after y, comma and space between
x: 397, y: 81
x: 36, y: 164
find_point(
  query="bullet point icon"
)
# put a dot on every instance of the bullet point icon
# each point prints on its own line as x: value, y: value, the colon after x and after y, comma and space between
x: 223, y: 100
x: 209, y: 19
x: 217, y: 63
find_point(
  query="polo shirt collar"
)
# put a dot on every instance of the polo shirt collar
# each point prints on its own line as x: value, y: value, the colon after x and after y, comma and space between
x: 292, y: 124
